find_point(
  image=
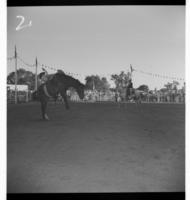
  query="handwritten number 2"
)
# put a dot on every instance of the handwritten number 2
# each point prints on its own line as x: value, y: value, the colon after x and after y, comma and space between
x: 20, y: 25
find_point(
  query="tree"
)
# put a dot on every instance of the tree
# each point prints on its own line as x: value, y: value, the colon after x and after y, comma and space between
x: 175, y: 84
x: 23, y: 78
x: 95, y: 82
x: 168, y: 86
x: 121, y: 80
x: 144, y: 88
x: 171, y: 86
x: 105, y: 84
x: 163, y: 90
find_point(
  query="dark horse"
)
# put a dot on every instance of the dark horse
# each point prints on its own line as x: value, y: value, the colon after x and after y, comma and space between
x: 57, y: 84
x: 134, y: 95
x: 130, y: 94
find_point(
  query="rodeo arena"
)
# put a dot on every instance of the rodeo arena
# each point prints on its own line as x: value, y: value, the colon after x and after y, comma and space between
x: 65, y: 134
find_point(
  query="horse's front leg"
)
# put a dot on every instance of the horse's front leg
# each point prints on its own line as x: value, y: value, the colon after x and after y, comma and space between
x: 63, y: 94
x: 43, y: 108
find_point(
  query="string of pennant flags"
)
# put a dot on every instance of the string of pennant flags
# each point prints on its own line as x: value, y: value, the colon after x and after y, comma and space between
x: 159, y: 75
x: 25, y: 63
x: 132, y: 69
x: 55, y: 69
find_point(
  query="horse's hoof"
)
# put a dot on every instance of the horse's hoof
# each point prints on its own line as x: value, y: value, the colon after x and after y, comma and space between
x: 46, y: 118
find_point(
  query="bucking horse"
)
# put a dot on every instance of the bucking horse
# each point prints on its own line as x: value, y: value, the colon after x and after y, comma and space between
x: 58, y: 83
x: 134, y: 95
x: 130, y: 95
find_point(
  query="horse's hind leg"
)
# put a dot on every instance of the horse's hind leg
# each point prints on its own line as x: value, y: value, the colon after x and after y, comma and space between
x: 64, y: 96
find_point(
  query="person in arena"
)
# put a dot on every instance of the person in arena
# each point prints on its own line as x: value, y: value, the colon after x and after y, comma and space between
x: 130, y: 86
x: 43, y: 77
x: 129, y: 89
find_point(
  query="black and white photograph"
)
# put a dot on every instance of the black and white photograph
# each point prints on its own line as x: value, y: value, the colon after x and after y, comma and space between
x: 96, y: 99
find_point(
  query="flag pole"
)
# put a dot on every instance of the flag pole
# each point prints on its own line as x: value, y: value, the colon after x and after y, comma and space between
x: 16, y: 76
x: 131, y: 70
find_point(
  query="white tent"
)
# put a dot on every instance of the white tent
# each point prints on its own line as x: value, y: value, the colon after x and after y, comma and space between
x: 19, y: 87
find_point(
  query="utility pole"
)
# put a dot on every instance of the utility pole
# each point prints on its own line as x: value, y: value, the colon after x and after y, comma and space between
x: 36, y: 78
x: 16, y: 76
x: 93, y: 85
x: 131, y: 70
x: 93, y: 89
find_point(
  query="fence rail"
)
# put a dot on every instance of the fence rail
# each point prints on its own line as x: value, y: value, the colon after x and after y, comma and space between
x: 24, y: 97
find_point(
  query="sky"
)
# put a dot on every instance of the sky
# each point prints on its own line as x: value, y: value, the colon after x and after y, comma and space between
x: 101, y: 40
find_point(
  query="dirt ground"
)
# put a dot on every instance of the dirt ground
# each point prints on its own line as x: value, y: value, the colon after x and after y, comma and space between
x: 96, y: 147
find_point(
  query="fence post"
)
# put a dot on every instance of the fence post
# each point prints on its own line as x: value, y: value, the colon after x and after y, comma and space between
x: 36, y: 73
x: 15, y: 75
x: 26, y: 96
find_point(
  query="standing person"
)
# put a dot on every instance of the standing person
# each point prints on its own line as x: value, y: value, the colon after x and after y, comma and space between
x: 43, y: 76
x: 129, y: 89
x: 116, y: 96
x: 130, y: 86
